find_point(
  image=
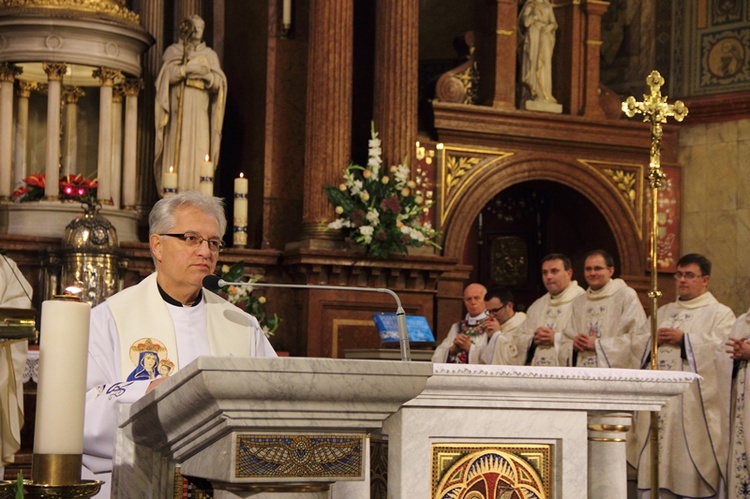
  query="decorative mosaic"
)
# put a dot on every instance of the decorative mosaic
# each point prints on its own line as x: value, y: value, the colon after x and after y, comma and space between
x: 513, y: 471
x: 324, y: 456
x: 724, y: 56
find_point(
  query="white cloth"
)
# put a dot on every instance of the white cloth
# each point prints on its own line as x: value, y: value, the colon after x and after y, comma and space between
x: 552, y: 312
x: 504, y: 345
x: 202, y: 114
x: 15, y: 292
x: 739, y: 443
x: 693, y: 432
x: 616, y: 317
x: 478, y: 341
x: 212, y: 327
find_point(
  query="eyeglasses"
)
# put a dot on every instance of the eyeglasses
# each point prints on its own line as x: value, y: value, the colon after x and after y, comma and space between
x: 496, y: 310
x: 687, y: 275
x: 194, y: 240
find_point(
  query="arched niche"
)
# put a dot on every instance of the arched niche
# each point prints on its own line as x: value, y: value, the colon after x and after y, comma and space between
x: 496, y: 175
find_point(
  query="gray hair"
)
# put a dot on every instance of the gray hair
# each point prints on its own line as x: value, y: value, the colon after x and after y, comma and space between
x: 161, y: 219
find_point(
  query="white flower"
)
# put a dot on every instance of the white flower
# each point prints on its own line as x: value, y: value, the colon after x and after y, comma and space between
x: 373, y: 217
x: 366, y: 232
x: 402, y: 175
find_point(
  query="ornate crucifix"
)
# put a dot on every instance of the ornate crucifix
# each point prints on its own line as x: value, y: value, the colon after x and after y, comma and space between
x: 655, y: 110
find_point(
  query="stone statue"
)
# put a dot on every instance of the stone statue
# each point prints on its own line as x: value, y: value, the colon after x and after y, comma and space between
x: 538, y: 25
x: 191, y: 94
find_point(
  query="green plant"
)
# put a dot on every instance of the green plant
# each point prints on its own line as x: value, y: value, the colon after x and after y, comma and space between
x: 242, y: 297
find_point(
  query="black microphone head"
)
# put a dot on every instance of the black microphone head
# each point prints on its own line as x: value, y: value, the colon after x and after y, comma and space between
x: 213, y: 282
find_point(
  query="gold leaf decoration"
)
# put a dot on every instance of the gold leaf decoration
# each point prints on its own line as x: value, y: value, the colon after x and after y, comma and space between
x: 625, y: 183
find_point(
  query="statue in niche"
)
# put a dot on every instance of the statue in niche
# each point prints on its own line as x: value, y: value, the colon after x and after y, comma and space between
x: 191, y: 94
x: 538, y: 26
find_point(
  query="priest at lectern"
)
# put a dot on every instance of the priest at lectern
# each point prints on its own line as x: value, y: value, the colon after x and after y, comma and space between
x: 145, y: 333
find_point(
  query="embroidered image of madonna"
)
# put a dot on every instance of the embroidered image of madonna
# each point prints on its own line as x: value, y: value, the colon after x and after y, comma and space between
x: 147, y: 354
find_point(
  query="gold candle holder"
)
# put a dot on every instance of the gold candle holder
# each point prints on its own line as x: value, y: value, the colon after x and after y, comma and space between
x: 58, y: 475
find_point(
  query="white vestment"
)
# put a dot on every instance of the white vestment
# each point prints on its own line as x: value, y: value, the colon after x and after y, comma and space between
x: 137, y: 321
x: 503, y: 347
x: 616, y: 317
x: 693, y: 432
x: 15, y: 292
x: 739, y: 443
x: 552, y: 312
x: 469, y: 325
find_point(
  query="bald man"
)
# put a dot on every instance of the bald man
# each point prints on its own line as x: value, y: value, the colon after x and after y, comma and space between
x: 466, y: 338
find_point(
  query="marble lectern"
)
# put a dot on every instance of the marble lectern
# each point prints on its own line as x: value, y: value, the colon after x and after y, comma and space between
x: 303, y: 428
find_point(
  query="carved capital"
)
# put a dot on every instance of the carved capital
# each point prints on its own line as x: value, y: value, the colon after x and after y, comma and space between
x: 131, y: 86
x: 118, y: 93
x: 73, y: 94
x: 9, y: 71
x: 55, y: 70
x: 107, y: 76
x: 25, y: 88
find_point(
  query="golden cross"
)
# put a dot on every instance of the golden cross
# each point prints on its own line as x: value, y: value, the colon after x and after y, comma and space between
x: 656, y: 111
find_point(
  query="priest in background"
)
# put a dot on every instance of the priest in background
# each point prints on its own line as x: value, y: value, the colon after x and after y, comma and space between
x: 693, y: 432
x: 739, y: 444
x: 168, y: 319
x: 468, y: 337
x: 504, y: 322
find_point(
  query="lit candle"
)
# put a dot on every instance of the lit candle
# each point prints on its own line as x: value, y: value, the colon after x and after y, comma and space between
x: 286, y: 14
x: 206, y: 184
x: 240, y: 211
x: 61, y: 389
x: 169, y: 182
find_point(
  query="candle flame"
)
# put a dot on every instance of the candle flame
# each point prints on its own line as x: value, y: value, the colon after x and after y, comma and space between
x: 171, y: 169
x: 242, y: 175
x: 206, y: 158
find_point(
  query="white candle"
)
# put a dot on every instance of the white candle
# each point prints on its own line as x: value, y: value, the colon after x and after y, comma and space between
x: 206, y: 181
x: 286, y: 14
x: 240, y: 211
x: 169, y: 182
x: 61, y: 390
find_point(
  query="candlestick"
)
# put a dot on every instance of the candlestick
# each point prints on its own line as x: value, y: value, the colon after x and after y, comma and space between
x: 286, y: 14
x: 61, y: 390
x: 206, y: 184
x: 169, y: 182
x: 239, y: 238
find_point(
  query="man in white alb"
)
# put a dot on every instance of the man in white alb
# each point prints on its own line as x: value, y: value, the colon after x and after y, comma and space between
x: 147, y: 332
x: 466, y: 338
x: 503, y: 346
x: 547, y: 316
x: 693, y: 432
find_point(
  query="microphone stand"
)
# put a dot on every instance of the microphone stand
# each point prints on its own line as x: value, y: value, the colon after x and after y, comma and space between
x: 403, y: 333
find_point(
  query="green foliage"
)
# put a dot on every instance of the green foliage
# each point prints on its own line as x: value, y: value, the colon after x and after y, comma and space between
x: 243, y: 298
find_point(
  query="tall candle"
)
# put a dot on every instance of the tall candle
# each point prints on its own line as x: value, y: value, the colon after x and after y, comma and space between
x: 206, y: 181
x: 61, y: 389
x: 286, y: 14
x: 169, y: 182
x: 240, y: 211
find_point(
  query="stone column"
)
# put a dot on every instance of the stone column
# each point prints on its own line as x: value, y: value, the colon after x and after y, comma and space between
x: 607, y: 459
x: 185, y: 8
x: 70, y: 136
x: 329, y: 107
x: 594, y: 10
x: 497, y: 52
x: 116, y: 172
x: 131, y: 87
x: 8, y: 74
x: 55, y: 72
x: 396, y: 75
x: 106, y: 78
x: 22, y: 130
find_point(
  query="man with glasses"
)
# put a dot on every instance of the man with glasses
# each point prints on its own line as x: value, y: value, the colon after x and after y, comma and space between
x: 606, y: 328
x: 504, y: 321
x: 168, y: 319
x: 693, y: 435
x: 466, y: 338
x: 540, y: 335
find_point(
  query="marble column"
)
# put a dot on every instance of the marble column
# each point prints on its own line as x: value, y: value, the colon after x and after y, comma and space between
x: 22, y: 130
x: 184, y: 9
x: 131, y: 87
x: 106, y: 78
x: 594, y: 10
x: 8, y: 74
x: 70, y: 135
x: 55, y: 72
x: 396, y: 75
x: 116, y: 172
x: 329, y: 109
x: 506, y: 53
x: 607, y: 460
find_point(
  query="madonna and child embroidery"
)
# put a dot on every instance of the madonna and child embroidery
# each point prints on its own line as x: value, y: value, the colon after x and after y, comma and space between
x: 151, y: 360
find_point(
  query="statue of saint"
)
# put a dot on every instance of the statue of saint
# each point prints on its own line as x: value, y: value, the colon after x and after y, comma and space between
x: 191, y: 94
x: 538, y: 25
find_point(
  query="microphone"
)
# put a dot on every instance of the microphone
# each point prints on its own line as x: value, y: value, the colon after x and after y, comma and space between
x: 214, y: 282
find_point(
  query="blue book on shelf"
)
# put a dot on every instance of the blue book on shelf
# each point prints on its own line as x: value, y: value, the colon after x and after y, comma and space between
x: 419, y: 329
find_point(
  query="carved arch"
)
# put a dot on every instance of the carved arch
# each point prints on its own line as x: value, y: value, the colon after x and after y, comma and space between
x: 518, y: 168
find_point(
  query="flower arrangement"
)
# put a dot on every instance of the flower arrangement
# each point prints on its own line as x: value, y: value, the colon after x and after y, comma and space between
x: 243, y: 298
x: 73, y: 187
x: 381, y: 210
